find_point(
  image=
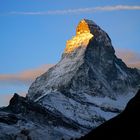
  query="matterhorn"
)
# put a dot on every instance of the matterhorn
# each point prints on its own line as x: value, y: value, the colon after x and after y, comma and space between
x: 87, y: 87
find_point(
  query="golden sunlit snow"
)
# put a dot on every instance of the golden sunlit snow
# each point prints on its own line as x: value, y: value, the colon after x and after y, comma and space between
x: 81, y: 39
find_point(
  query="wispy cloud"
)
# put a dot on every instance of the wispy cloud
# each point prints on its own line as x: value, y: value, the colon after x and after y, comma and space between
x: 25, y: 77
x: 19, y: 83
x: 79, y: 10
x: 131, y: 58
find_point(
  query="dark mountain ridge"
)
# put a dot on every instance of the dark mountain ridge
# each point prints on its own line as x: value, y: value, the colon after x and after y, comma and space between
x: 124, y: 126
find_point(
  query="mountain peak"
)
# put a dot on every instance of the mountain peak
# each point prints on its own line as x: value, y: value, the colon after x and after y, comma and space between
x: 84, y: 26
x: 83, y: 35
x: 88, y: 32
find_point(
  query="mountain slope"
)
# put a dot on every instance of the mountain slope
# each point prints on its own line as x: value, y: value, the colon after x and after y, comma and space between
x: 124, y: 126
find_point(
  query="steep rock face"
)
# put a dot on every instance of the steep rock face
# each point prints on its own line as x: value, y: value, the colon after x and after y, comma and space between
x: 124, y: 126
x: 90, y: 84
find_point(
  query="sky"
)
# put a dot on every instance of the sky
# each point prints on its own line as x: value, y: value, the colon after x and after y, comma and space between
x: 33, y: 35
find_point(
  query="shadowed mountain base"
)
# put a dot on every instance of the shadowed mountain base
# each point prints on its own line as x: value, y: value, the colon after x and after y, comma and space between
x: 124, y: 126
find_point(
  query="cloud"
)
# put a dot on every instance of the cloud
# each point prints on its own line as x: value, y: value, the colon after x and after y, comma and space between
x: 19, y: 83
x: 131, y: 58
x: 24, y: 77
x: 79, y: 10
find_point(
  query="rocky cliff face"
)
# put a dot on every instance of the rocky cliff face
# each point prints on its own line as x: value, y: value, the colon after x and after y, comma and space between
x: 88, y: 86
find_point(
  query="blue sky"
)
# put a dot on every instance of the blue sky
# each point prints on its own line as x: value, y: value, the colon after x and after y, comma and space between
x: 33, y: 34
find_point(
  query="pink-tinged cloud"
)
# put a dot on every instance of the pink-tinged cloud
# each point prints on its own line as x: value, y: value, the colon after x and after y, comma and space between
x: 26, y: 76
x: 5, y: 98
x: 14, y: 82
x: 131, y: 58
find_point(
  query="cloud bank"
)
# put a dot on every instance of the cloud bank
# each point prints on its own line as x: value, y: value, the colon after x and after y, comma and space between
x: 79, y: 10
x: 17, y: 81
x: 131, y: 58
x: 24, y: 77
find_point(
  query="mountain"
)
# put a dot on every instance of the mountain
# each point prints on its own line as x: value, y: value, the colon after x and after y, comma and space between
x: 87, y: 87
x: 90, y: 84
x: 124, y: 126
x: 88, y: 65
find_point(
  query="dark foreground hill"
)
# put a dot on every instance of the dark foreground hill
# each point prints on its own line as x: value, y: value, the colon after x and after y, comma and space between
x: 122, y: 127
